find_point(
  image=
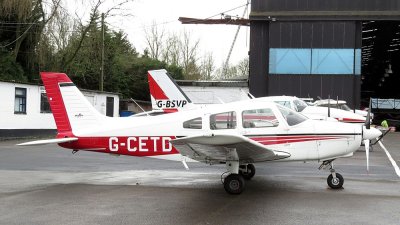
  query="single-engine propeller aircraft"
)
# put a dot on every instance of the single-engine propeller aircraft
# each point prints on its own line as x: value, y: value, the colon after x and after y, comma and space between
x: 166, y: 94
x: 237, y: 134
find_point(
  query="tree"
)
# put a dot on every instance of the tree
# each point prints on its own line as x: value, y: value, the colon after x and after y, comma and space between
x: 25, y: 21
x: 189, y: 50
x: 207, y: 67
x: 154, y: 39
x: 243, y: 68
x: 171, y: 53
x: 238, y: 71
x: 9, y: 69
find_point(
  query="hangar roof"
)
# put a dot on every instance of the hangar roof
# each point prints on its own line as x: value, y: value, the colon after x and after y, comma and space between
x: 325, y: 10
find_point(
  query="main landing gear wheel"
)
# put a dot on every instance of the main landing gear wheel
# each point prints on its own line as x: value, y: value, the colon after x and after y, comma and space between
x: 248, y: 171
x: 335, y: 182
x: 234, y: 184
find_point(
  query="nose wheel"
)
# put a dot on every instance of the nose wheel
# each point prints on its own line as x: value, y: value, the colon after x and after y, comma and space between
x: 334, y: 180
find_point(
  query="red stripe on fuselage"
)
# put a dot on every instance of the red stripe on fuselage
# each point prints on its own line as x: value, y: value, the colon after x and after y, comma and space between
x: 275, y: 140
x: 133, y: 146
x: 349, y: 120
x: 170, y: 110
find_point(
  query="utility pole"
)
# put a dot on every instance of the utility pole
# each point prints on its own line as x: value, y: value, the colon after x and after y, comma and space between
x: 101, y: 83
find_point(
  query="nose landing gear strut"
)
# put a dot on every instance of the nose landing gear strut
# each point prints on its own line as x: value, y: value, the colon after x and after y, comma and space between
x: 334, y: 180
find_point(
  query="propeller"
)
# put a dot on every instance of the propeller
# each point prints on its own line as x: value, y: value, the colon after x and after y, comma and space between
x: 369, y: 134
x: 366, y: 145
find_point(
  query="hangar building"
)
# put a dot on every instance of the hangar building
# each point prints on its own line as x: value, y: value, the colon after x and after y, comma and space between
x: 311, y: 48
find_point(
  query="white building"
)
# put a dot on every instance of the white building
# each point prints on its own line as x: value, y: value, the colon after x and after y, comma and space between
x: 25, y: 111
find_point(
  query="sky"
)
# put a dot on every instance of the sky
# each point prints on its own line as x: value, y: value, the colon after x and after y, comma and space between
x: 216, y: 39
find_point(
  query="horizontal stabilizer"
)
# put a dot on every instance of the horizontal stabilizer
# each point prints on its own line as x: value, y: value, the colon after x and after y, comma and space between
x: 49, y: 141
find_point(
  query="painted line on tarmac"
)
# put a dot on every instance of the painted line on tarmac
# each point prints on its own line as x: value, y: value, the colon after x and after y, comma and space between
x: 396, y: 168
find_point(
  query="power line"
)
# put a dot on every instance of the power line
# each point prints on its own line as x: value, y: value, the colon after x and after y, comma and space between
x: 15, y: 23
x: 17, y: 37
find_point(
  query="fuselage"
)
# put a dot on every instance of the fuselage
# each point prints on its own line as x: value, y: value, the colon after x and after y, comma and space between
x: 303, y: 139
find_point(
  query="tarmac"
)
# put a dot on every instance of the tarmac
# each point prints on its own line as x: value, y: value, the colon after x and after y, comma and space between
x: 49, y: 185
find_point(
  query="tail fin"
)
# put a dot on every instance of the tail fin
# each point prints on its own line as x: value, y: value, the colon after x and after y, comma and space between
x: 165, y: 93
x: 71, y: 110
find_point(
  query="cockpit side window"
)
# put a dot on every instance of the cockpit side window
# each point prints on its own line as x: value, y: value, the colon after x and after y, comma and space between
x: 225, y: 120
x: 195, y: 123
x: 259, y: 118
x: 291, y: 117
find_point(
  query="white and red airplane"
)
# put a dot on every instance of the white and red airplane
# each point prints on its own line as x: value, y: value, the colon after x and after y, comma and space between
x: 237, y: 134
x: 166, y: 96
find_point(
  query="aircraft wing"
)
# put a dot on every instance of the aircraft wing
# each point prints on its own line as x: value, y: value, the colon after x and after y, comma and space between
x: 215, y: 149
x: 49, y: 141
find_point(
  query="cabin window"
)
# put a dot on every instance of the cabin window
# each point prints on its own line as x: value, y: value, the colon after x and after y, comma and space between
x: 20, y: 101
x: 259, y: 118
x: 226, y: 120
x: 195, y: 123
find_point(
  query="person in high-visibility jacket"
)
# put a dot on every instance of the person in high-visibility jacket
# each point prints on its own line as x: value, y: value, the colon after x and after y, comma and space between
x: 385, y: 124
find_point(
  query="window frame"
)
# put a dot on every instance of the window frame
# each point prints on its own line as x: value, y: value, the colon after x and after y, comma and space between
x: 232, y: 122
x: 257, y: 111
x: 44, y: 102
x: 23, y: 101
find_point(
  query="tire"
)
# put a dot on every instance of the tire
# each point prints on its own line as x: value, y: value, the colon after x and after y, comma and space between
x: 234, y: 184
x: 335, y: 183
x: 251, y: 171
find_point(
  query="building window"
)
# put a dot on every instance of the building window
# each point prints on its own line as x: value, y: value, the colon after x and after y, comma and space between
x: 20, y: 101
x: 226, y: 120
x: 44, y: 103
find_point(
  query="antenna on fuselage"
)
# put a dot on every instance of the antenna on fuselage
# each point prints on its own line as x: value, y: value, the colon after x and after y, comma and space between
x: 329, y: 106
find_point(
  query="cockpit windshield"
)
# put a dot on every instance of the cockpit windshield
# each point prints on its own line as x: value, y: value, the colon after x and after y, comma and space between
x: 300, y: 105
x: 291, y: 117
x: 345, y: 107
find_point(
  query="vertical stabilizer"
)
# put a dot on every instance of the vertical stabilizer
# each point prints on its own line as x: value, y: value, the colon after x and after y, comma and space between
x: 165, y: 94
x: 71, y: 110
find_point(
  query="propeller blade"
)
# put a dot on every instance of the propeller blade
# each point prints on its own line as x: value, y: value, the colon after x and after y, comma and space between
x: 366, y: 144
x: 368, y: 119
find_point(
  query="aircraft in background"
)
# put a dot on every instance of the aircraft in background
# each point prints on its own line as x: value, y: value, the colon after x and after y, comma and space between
x: 340, y: 104
x: 236, y: 134
x: 165, y: 94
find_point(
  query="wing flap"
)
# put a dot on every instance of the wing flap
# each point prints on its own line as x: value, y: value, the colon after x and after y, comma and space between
x: 49, y: 141
x: 215, y: 148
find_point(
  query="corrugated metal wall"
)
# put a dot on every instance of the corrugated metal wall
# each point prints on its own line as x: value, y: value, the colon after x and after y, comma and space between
x: 325, y: 50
